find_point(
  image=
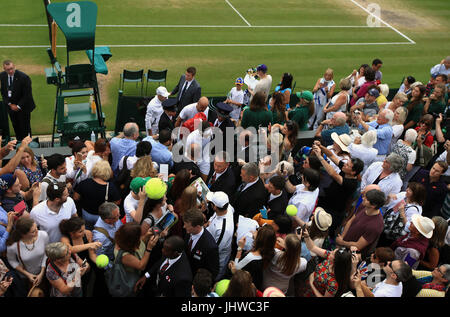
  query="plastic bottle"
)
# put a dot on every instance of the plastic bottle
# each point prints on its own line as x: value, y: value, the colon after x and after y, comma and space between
x: 92, y: 104
x: 93, y: 136
x: 66, y: 108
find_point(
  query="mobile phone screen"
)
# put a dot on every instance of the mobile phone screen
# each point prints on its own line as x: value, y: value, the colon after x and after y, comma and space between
x: 164, y: 170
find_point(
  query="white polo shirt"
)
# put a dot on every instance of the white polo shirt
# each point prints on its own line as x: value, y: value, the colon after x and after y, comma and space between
x: 48, y: 220
x: 305, y: 201
x: 190, y: 111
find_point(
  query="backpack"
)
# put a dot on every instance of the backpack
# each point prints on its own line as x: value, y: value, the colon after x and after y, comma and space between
x: 120, y: 282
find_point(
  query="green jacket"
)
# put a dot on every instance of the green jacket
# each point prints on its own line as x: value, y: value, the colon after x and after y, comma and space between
x: 301, y: 116
x: 256, y: 119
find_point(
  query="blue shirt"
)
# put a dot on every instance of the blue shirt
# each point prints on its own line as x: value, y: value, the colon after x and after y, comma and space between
x: 4, y: 235
x: 384, y: 136
x: 107, y: 247
x: 160, y: 153
x: 326, y: 134
x: 120, y: 148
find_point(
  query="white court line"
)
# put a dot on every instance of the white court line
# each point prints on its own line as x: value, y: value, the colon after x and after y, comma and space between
x: 237, y: 12
x: 216, y: 45
x: 387, y: 24
x: 204, y: 26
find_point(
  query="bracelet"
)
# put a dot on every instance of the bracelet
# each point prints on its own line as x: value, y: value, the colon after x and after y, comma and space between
x: 239, y: 249
x: 148, y: 250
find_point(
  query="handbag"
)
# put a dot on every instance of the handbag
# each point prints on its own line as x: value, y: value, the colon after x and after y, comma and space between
x: 120, y: 282
x: 34, y: 290
x: 394, y: 227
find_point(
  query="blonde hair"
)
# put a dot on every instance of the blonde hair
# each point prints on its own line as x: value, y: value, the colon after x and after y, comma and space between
x: 402, y: 114
x: 329, y: 71
x: 384, y: 89
x: 345, y: 84
x: 31, y: 153
x: 102, y: 170
x: 143, y: 168
x: 401, y: 96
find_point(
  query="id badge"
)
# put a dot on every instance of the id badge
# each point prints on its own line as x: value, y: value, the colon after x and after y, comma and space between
x: 9, y: 93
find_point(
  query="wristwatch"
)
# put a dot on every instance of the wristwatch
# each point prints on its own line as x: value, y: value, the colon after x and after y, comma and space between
x: 239, y: 249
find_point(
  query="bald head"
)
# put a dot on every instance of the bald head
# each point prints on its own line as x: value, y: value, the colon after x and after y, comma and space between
x: 339, y: 118
x: 131, y: 130
x: 202, y: 104
x: 370, y: 187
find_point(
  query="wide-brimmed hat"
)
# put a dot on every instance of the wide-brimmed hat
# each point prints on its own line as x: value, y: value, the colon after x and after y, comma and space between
x: 424, y: 225
x: 322, y: 219
x: 342, y: 140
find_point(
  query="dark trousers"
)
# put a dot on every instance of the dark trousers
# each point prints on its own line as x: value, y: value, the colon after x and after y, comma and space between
x: 21, y: 123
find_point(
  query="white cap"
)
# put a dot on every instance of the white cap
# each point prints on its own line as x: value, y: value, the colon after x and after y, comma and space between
x: 162, y: 91
x: 219, y: 199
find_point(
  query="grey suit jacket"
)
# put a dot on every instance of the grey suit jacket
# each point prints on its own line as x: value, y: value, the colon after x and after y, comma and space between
x: 191, y: 95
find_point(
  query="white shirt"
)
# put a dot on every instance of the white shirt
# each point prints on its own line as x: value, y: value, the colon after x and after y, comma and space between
x: 190, y: 111
x: 48, y: 220
x: 130, y: 204
x: 365, y: 154
x: 249, y: 184
x: 171, y: 262
x: 91, y: 159
x: 236, y: 96
x: 443, y: 158
x: 131, y: 160
x: 186, y: 84
x: 391, y: 184
x: 305, y: 201
x: 154, y: 111
x: 388, y: 290
x: 44, y: 185
x: 72, y: 171
x: 397, y: 131
x: 215, y: 228
x: 195, y: 238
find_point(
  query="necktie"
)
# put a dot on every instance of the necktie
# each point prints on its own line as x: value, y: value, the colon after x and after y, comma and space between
x: 10, y: 81
x: 164, y: 267
x: 184, y: 89
x: 241, y: 187
x: 213, y: 179
x: 190, y: 245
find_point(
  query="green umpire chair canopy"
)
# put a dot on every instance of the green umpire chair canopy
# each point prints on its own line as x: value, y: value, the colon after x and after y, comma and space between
x: 77, y: 20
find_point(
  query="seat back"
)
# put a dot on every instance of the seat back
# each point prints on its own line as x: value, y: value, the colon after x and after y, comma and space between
x: 132, y: 74
x: 154, y: 75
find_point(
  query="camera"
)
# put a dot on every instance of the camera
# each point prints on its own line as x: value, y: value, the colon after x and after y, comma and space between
x: 436, y: 115
x: 155, y: 230
x: 357, y: 112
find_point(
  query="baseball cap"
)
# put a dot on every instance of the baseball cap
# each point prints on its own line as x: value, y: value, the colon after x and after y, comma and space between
x: 137, y: 183
x: 262, y: 68
x: 374, y: 92
x: 305, y: 94
x: 220, y: 199
x: 6, y: 181
x: 162, y: 91
x: 239, y: 81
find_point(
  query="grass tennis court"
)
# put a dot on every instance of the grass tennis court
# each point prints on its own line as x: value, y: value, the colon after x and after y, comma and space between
x: 223, y: 38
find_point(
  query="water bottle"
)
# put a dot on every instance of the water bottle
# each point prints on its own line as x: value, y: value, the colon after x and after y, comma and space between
x: 93, y: 136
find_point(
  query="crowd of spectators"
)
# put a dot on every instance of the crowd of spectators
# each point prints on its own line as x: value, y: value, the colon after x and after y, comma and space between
x: 362, y: 210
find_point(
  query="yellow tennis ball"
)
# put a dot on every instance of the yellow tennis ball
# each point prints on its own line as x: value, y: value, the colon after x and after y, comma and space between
x: 291, y: 210
x: 155, y: 188
x: 222, y: 286
x: 102, y: 261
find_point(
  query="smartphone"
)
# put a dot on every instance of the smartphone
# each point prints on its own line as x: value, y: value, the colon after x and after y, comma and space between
x: 299, y: 230
x: 19, y: 209
x: 264, y: 213
x: 84, y: 263
x: 282, y: 168
x: 164, y: 170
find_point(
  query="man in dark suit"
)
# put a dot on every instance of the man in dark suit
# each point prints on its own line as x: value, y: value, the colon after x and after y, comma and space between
x: 277, y: 199
x: 167, y: 118
x: 221, y: 177
x: 223, y: 122
x: 17, y: 96
x: 188, y: 89
x: 201, y: 248
x: 171, y: 276
x: 251, y: 195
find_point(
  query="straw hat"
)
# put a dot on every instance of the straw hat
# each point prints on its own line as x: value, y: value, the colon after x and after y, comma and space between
x: 342, y: 140
x: 424, y: 225
x: 322, y: 219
